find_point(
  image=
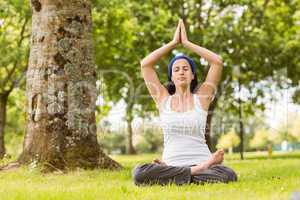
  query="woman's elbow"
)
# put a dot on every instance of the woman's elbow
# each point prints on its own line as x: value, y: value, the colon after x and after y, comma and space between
x: 144, y: 63
x: 218, y: 61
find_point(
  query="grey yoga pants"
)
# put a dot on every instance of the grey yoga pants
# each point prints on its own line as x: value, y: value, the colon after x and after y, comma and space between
x: 151, y: 173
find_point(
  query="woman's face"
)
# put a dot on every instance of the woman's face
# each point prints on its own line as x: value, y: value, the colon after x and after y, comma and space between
x: 182, y: 74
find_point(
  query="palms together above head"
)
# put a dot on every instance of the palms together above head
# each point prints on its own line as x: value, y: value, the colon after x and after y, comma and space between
x: 180, y: 35
x: 176, y: 38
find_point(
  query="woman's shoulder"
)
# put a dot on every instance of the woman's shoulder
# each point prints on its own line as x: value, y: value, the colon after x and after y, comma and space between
x: 206, y: 93
x: 201, y: 102
x: 161, y: 104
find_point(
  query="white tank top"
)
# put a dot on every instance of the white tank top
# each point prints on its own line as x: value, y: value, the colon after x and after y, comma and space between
x: 184, y: 140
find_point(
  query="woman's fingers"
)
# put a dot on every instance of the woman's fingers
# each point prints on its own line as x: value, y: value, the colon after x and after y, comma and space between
x: 157, y: 161
x: 180, y: 35
x: 179, y: 31
x: 183, y: 34
x: 176, y: 38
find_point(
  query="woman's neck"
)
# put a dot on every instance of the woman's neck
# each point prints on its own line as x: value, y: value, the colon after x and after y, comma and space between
x: 182, y: 98
x: 183, y: 92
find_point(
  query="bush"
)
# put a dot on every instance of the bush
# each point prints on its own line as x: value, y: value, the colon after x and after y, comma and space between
x: 264, y: 138
x: 151, y: 141
x: 229, y: 140
x: 113, y: 142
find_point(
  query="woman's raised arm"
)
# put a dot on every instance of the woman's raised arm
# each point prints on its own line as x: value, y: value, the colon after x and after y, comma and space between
x: 156, y: 89
x: 208, y: 89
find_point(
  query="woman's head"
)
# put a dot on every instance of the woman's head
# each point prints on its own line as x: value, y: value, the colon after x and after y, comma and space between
x: 181, y: 72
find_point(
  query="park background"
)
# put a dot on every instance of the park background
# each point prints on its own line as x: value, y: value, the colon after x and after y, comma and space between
x: 255, y: 116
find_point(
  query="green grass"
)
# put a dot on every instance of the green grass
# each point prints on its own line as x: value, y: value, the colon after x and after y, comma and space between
x: 259, y: 178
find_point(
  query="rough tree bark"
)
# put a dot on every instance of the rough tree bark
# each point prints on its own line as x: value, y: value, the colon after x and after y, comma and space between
x: 3, y: 104
x: 60, y: 89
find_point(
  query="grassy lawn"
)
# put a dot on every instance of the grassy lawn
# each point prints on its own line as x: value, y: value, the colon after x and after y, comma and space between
x: 259, y: 178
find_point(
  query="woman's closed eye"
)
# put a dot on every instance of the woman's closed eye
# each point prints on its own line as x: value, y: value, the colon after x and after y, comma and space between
x: 185, y: 68
x: 176, y: 69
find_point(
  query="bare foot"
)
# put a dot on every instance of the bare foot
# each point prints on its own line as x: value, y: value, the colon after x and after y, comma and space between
x: 216, y: 158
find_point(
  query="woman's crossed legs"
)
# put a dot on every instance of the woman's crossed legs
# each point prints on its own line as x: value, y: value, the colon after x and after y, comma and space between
x: 211, y: 171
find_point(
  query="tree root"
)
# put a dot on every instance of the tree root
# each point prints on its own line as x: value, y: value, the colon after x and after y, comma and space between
x: 10, y: 166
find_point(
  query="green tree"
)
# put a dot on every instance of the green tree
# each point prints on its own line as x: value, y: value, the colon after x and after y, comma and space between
x: 15, y: 123
x: 248, y: 35
x: 130, y: 31
x: 14, y: 49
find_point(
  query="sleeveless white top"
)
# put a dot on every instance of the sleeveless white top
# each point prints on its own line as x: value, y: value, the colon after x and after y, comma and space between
x: 184, y: 140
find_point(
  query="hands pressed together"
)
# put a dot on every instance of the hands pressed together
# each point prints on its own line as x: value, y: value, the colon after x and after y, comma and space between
x: 180, y: 35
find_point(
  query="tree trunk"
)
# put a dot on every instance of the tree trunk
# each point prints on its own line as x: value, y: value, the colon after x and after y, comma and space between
x: 241, y: 123
x: 60, y: 90
x: 131, y: 149
x: 129, y: 118
x: 3, y: 104
x: 241, y: 133
x: 211, y: 109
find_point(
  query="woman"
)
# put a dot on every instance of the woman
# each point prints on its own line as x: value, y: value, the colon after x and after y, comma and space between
x: 183, y: 111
